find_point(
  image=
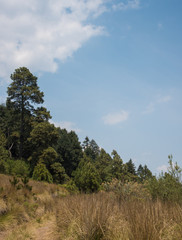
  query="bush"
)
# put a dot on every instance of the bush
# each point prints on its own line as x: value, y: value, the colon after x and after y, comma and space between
x: 17, y: 167
x: 48, y: 156
x: 166, y: 188
x: 71, y: 187
x: 58, y: 173
x: 86, y: 176
x: 41, y: 173
x: 128, y: 190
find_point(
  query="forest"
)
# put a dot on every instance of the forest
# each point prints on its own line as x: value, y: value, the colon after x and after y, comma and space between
x: 38, y: 157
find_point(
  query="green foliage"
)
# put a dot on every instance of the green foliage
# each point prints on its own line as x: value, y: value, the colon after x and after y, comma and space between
x: 23, y: 94
x: 91, y: 149
x: 119, y: 170
x: 86, y: 176
x: 58, y: 173
x: 173, y: 169
x: 143, y: 173
x: 2, y: 140
x: 3, y: 153
x: 42, y: 138
x: 41, y: 115
x: 48, y: 156
x: 71, y: 186
x: 23, y: 90
x: 167, y: 186
x: 17, y: 167
x: 131, y: 167
x: 9, y: 125
x: 69, y: 149
x: 41, y: 173
x: 103, y: 165
x: 3, y: 111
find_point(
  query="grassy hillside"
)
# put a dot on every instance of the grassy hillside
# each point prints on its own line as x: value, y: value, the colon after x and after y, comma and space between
x: 48, y: 211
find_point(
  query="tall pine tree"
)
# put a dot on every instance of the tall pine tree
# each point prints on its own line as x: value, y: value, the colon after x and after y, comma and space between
x: 23, y: 94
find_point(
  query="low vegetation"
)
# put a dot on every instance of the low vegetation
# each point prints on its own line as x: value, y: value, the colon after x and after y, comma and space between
x: 40, y: 210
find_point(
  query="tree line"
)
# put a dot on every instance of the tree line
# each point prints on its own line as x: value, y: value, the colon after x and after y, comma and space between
x: 30, y: 145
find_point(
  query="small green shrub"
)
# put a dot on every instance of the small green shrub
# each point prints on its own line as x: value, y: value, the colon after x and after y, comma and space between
x: 71, y: 187
x: 168, y: 186
x: 41, y: 173
x: 15, y: 182
x: 58, y: 173
x: 86, y: 177
x: 17, y: 167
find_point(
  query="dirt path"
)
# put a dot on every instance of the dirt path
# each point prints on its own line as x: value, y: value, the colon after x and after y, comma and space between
x: 45, y: 230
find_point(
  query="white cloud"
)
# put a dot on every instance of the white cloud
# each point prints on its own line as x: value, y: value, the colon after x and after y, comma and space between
x: 115, y: 118
x: 159, y: 100
x: 129, y: 4
x: 69, y: 126
x: 37, y: 34
x: 164, y: 99
x: 163, y: 168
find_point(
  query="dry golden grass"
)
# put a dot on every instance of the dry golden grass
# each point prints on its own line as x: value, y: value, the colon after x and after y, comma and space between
x: 86, y: 216
x: 102, y: 216
x: 49, y: 212
x: 22, y: 207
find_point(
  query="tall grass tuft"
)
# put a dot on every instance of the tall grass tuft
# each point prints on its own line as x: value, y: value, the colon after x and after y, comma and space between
x: 103, y: 216
x: 90, y: 217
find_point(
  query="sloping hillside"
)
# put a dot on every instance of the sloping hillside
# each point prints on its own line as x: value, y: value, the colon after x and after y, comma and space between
x: 37, y: 210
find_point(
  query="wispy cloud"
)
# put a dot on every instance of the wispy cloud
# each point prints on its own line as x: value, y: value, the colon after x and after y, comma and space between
x: 159, y: 100
x: 164, y: 99
x: 69, y: 126
x: 129, y: 4
x: 160, y: 26
x: 115, y: 118
x: 150, y: 108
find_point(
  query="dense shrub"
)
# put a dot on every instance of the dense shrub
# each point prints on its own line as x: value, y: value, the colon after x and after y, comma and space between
x: 41, y: 173
x: 86, y: 176
x: 167, y: 186
x: 58, y: 173
x: 127, y: 190
x: 17, y: 167
x: 71, y: 186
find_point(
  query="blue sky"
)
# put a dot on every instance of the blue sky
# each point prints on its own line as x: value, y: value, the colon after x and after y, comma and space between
x: 110, y: 70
